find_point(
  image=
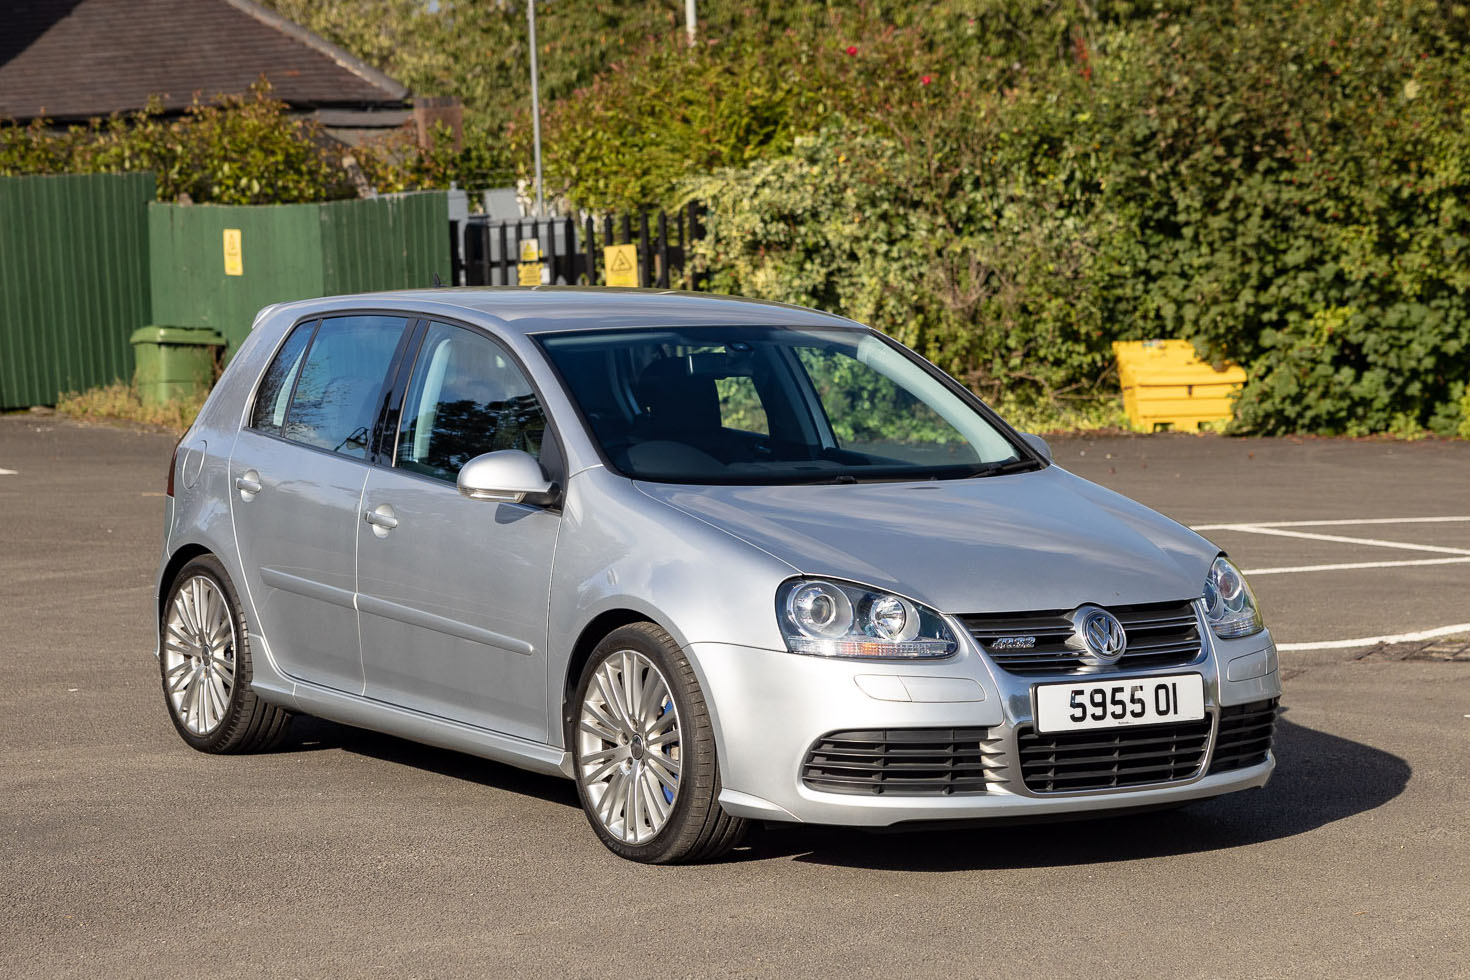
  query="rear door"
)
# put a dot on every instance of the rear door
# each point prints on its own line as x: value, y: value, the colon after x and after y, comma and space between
x: 297, y: 473
x: 453, y: 591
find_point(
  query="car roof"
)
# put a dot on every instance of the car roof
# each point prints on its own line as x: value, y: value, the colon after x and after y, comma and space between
x: 546, y: 309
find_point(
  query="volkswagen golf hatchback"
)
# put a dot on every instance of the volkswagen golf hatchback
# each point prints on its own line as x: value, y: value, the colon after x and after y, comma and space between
x: 715, y: 560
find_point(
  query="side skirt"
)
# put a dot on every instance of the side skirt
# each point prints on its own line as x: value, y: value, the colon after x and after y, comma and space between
x: 416, y: 726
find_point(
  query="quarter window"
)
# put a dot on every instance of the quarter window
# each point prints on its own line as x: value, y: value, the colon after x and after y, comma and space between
x: 466, y: 397
x: 274, y: 395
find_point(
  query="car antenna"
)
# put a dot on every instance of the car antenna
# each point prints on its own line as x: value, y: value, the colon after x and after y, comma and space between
x: 437, y: 281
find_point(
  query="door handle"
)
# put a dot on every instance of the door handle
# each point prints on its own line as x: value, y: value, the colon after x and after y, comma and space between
x: 248, y: 483
x: 381, y: 518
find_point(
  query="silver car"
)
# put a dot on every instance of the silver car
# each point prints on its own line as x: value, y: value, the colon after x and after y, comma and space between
x: 716, y: 560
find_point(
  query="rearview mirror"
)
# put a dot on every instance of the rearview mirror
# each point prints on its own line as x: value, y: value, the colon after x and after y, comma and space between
x: 508, y: 476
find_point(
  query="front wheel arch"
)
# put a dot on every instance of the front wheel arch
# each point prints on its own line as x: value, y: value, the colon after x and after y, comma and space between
x: 601, y: 626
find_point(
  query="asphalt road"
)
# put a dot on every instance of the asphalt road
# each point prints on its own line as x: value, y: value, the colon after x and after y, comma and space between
x: 123, y: 853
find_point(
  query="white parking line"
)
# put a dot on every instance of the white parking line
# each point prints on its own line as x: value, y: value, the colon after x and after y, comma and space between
x: 1334, y: 523
x: 1279, y: 529
x: 1344, y: 566
x: 1374, y: 542
x: 1372, y: 641
x: 7, y: 472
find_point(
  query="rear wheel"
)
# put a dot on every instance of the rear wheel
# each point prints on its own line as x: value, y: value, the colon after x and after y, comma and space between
x: 205, y: 662
x: 644, y: 752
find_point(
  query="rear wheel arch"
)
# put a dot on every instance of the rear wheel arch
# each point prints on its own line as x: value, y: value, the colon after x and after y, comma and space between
x: 171, y: 571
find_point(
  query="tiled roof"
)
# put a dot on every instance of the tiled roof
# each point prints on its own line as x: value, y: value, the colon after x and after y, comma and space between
x: 70, y: 59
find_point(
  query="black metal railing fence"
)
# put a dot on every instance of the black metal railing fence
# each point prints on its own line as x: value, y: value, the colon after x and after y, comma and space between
x: 485, y: 252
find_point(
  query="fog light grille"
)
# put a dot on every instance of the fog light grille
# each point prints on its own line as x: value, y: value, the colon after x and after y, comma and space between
x: 1245, y: 735
x: 905, y: 761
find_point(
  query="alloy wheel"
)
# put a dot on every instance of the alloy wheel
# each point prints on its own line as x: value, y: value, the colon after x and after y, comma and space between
x: 628, y: 741
x: 199, y: 654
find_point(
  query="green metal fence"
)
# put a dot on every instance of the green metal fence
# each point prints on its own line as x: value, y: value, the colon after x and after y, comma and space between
x: 87, y: 260
x: 216, y: 266
x: 73, y: 282
x: 385, y: 243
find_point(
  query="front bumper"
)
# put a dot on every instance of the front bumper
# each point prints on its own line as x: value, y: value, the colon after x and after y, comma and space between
x: 770, y: 707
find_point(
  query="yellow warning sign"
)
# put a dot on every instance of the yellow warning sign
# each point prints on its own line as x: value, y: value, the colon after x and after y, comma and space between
x: 234, y: 260
x: 622, y: 264
x: 528, y: 270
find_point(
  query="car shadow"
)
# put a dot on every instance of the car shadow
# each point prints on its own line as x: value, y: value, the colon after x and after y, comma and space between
x: 1319, y: 779
x: 309, y: 734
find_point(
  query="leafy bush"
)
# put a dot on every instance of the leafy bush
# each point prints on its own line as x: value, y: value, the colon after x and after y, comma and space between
x: 242, y: 149
x: 1289, y: 186
x: 248, y: 149
x: 1296, y: 179
x: 987, y: 287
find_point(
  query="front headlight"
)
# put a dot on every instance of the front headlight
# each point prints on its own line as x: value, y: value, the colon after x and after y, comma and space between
x: 1230, y: 605
x: 838, y: 619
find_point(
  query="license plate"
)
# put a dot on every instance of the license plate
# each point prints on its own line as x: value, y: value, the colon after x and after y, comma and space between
x: 1118, y: 704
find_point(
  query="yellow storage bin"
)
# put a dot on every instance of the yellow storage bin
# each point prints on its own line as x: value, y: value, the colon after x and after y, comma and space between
x: 1165, y: 386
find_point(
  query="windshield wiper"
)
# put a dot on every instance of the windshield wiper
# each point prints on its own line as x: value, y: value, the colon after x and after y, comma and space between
x: 1007, y: 466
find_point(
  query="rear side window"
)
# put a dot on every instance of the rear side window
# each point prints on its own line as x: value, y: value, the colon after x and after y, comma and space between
x: 465, y: 397
x: 331, y: 385
x: 274, y: 396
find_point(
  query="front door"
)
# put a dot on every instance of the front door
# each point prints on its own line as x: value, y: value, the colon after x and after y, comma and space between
x: 297, y: 473
x: 452, y: 592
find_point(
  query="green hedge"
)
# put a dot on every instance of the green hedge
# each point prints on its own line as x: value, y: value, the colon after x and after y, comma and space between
x: 249, y: 149
x: 1287, y: 185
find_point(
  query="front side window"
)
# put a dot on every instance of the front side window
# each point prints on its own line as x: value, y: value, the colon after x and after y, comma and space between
x: 466, y: 397
x: 752, y: 405
x: 323, y: 389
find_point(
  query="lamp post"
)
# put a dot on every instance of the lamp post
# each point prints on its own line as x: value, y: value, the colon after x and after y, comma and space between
x: 689, y: 20
x: 536, y: 107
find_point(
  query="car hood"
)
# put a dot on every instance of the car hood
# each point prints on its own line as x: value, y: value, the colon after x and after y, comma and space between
x: 1026, y: 541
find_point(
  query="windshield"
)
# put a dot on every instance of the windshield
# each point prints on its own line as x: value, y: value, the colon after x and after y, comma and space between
x: 772, y: 405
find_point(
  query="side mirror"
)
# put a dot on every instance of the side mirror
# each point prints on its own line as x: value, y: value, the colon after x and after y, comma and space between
x: 508, y: 476
x: 1037, y: 443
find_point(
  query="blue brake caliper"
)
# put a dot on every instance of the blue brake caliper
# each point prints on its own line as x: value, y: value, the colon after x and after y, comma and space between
x: 668, y: 706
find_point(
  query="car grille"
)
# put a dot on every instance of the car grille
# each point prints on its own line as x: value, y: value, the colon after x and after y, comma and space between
x: 1072, y: 761
x: 905, y: 761
x: 1160, y: 634
x: 1245, y: 735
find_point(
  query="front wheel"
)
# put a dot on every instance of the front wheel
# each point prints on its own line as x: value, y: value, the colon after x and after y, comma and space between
x: 644, y: 752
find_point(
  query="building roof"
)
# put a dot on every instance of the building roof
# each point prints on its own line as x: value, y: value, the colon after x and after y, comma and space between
x: 73, y: 59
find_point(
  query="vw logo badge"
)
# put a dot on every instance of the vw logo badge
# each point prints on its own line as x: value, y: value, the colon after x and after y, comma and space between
x: 1101, y: 634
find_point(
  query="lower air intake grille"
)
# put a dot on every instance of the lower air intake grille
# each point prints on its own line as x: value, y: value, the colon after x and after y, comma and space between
x: 1245, y: 735
x: 1071, y: 761
x: 904, y: 761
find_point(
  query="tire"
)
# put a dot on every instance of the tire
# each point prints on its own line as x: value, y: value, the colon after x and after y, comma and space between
x: 646, y: 772
x: 204, y: 663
